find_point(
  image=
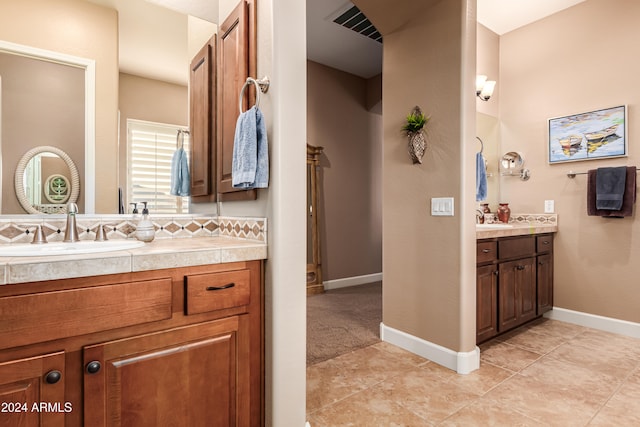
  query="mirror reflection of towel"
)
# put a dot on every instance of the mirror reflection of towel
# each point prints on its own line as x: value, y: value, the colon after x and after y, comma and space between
x: 180, y: 177
x: 628, y: 195
x: 481, y: 178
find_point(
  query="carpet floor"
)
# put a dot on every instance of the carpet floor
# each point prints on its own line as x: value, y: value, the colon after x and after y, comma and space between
x: 342, y: 320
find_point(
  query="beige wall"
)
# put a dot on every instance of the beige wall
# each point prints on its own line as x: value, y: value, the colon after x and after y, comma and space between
x: 428, y: 261
x: 556, y: 67
x: 43, y: 104
x: 84, y: 30
x: 150, y: 100
x: 350, y: 208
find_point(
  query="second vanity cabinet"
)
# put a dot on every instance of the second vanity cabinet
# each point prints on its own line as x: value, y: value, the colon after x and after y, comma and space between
x: 514, y: 282
x: 181, y: 346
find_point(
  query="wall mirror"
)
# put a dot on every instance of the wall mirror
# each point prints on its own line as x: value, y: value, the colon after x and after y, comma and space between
x: 177, y: 31
x: 488, y: 130
x: 46, y: 179
x: 512, y: 164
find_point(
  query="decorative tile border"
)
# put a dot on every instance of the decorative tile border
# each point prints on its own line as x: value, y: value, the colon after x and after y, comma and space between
x: 20, y: 229
x: 526, y: 218
x: 244, y: 228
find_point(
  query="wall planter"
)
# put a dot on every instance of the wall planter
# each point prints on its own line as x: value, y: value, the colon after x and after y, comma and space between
x: 413, y: 128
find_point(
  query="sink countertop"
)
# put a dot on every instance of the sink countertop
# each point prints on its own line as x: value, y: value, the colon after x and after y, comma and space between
x: 159, y: 254
x: 517, y: 230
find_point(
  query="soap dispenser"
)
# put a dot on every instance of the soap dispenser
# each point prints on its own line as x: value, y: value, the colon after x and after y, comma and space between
x: 144, y: 230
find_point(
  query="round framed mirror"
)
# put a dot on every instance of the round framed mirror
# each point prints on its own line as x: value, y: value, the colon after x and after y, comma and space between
x: 29, y: 181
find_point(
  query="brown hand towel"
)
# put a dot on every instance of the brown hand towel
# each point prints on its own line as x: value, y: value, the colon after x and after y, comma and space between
x: 628, y: 200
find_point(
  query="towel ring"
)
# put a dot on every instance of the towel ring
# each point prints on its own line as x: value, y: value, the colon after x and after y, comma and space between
x: 262, y: 85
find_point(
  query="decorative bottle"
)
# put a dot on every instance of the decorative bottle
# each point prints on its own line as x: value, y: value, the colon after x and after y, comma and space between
x: 145, y: 230
x: 504, y: 213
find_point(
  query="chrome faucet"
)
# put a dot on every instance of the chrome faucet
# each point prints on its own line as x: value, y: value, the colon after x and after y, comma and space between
x: 71, y: 232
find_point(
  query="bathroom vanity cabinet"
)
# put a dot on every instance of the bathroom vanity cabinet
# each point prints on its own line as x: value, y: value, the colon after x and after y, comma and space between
x: 179, y: 346
x: 514, y: 282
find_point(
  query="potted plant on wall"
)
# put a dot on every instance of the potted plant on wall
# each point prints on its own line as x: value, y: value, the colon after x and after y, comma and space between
x: 413, y: 128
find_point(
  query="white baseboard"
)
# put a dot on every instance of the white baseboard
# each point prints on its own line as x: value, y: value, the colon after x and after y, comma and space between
x: 351, y: 281
x: 462, y: 363
x: 594, y: 321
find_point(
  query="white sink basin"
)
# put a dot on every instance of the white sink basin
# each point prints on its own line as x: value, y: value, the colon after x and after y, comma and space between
x: 492, y: 226
x: 61, y: 248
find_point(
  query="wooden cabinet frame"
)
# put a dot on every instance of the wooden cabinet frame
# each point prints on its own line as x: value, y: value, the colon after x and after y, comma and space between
x: 233, y: 58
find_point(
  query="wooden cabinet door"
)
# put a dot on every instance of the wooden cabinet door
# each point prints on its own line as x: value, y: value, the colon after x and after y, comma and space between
x: 201, y: 123
x: 233, y: 69
x: 32, y: 392
x: 193, y: 376
x: 517, y: 293
x: 545, y: 283
x: 526, y: 284
x: 487, y: 302
x: 508, y: 296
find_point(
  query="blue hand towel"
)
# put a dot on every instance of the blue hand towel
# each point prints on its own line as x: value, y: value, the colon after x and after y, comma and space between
x: 180, y: 177
x: 481, y: 178
x: 250, y: 162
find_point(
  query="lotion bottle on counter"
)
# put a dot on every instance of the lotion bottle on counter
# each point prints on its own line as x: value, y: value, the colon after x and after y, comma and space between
x: 144, y: 230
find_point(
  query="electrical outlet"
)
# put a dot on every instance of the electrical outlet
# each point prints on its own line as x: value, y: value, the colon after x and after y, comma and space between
x: 549, y: 206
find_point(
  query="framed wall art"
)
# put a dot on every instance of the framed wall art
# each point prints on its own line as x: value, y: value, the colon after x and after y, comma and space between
x: 592, y: 135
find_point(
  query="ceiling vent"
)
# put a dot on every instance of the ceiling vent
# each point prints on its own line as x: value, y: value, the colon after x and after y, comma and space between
x: 355, y: 20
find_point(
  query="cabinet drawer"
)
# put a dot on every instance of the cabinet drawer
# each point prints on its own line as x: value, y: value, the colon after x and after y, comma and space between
x: 544, y: 243
x: 217, y: 291
x: 486, y: 252
x: 517, y: 247
x: 46, y: 316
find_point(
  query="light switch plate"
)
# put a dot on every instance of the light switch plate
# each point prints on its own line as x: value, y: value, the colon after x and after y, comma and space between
x: 549, y: 206
x: 442, y: 206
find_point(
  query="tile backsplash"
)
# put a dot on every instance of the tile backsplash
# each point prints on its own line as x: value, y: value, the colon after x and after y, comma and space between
x: 20, y: 229
x: 528, y: 218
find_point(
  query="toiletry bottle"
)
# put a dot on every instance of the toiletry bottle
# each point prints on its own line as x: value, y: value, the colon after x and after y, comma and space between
x: 145, y: 230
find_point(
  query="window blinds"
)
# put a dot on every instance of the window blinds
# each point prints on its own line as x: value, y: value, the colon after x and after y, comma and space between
x: 150, y: 150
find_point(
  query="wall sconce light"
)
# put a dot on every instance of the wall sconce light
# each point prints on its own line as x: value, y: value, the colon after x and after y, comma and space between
x: 484, y: 87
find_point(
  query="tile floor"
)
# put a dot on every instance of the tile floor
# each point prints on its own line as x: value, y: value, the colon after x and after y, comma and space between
x: 548, y: 373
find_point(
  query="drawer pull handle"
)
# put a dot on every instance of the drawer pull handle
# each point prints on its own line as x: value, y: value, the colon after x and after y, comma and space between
x: 53, y: 377
x: 486, y: 251
x: 93, y: 367
x: 520, y: 267
x: 545, y: 242
x: 219, y: 288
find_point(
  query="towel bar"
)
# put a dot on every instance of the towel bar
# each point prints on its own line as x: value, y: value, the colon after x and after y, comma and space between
x: 262, y: 85
x: 572, y: 174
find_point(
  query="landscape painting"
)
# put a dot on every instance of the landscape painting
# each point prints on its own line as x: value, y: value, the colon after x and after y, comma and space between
x: 588, y: 136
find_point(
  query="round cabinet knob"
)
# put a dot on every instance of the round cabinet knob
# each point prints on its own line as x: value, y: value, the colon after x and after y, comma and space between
x: 93, y: 367
x: 53, y: 377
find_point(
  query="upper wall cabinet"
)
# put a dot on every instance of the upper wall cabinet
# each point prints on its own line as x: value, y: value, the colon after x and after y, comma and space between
x: 201, y: 121
x: 235, y: 64
x: 214, y: 111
